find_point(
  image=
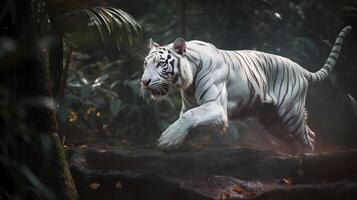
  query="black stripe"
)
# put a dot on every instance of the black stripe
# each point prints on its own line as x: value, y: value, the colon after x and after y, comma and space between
x: 335, y: 51
x: 249, y: 100
x: 178, y: 65
x: 246, y: 75
x: 239, y: 104
x: 281, y: 82
x: 270, y: 70
x: 265, y: 64
x: 254, y: 64
x: 276, y: 71
x: 202, y: 94
x: 245, y: 59
x: 208, y: 71
x: 198, y: 69
x: 287, y: 110
x: 290, y: 121
x: 230, y: 58
x: 343, y: 32
x: 162, y: 76
x: 297, y: 126
x: 287, y: 88
x: 224, y: 57
x: 333, y: 57
x: 237, y: 54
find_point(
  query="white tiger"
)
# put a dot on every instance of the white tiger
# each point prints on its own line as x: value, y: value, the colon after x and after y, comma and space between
x: 217, y: 85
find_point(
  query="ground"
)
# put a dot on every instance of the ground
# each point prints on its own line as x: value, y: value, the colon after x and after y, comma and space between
x: 111, y: 170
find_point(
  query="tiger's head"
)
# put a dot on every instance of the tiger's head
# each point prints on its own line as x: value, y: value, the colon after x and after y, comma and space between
x: 166, y: 67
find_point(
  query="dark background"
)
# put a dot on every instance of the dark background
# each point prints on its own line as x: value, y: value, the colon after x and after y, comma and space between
x: 62, y: 84
x: 303, y: 31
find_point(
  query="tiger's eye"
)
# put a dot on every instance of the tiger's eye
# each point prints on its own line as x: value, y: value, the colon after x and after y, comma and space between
x: 161, y: 64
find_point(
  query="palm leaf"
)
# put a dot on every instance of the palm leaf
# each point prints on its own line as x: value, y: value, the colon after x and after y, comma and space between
x: 112, y: 24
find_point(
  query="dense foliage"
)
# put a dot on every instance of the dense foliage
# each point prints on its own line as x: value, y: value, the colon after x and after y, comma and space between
x: 103, y: 100
x: 109, y: 103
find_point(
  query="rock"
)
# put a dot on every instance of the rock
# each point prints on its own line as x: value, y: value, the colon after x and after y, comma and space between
x: 212, y: 174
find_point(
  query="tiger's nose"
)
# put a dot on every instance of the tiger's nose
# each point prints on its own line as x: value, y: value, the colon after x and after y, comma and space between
x: 145, y: 82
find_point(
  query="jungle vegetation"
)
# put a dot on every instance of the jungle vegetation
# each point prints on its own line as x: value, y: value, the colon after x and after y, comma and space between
x: 71, y: 69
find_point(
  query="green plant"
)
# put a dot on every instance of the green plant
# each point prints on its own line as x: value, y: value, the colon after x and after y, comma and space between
x: 103, y: 100
x: 89, y: 19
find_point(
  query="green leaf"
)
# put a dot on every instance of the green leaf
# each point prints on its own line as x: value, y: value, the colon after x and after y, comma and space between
x: 110, y: 93
x: 114, y: 84
x: 74, y: 84
x: 115, y: 63
x: 111, y: 23
x: 115, y: 106
x: 81, y: 77
x: 100, y: 80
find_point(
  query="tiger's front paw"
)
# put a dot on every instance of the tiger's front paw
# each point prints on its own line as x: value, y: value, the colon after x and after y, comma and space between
x: 172, y: 136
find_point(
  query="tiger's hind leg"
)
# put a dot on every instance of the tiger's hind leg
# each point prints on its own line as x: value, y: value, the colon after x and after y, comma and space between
x: 308, y: 141
x: 289, y: 125
x: 295, y: 126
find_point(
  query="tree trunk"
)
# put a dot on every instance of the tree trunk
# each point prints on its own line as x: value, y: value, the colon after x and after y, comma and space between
x: 56, y: 60
x: 27, y: 80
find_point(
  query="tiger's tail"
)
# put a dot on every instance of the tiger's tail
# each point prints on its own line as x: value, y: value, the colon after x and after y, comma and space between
x: 324, y: 72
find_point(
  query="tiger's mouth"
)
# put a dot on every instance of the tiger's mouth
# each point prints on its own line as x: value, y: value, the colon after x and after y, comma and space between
x: 158, y: 92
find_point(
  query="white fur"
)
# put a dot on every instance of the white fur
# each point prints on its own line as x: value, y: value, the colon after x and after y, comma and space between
x: 215, y: 83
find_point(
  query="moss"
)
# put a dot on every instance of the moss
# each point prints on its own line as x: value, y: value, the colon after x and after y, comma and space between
x: 57, y: 175
x: 63, y: 172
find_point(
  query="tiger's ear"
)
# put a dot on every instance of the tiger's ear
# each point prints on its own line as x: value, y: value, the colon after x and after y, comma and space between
x: 153, y: 44
x: 179, y: 46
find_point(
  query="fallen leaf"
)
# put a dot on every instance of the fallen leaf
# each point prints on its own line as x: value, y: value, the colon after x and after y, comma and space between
x: 119, y: 185
x: 82, y: 146
x: 225, y: 196
x: 94, y: 186
x: 288, y: 180
x: 252, y: 194
x: 238, y: 189
x: 124, y: 141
